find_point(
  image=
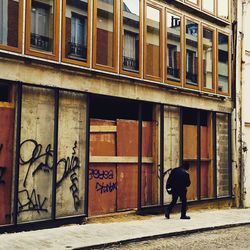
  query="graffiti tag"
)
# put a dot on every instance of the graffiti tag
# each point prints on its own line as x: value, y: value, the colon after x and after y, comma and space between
x: 31, y: 202
x: 106, y: 188
x: 44, y: 160
x: 100, y: 174
x: 75, y: 191
x: 69, y: 165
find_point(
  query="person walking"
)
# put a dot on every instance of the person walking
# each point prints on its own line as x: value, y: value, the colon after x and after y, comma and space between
x: 178, y: 182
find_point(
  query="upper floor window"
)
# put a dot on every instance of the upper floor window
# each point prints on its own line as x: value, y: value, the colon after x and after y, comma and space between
x: 41, y: 27
x: 208, y: 5
x: 105, y: 35
x: 153, y: 43
x: 173, y: 48
x: 223, y: 63
x: 75, y: 31
x: 131, y: 36
x: 208, y: 58
x: 192, y: 53
x: 10, y: 24
x: 194, y: 2
x: 223, y: 8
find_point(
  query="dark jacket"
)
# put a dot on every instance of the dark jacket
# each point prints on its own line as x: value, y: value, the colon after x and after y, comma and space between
x: 178, y: 180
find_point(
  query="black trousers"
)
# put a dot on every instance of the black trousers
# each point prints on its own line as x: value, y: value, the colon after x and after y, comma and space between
x: 183, y: 197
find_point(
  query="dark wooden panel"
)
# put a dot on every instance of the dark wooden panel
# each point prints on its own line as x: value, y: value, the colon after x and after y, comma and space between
x: 127, y: 138
x: 102, y: 144
x: 102, y: 189
x: 6, y: 162
x: 147, y: 139
x: 127, y: 175
x: 204, y: 179
x: 192, y: 190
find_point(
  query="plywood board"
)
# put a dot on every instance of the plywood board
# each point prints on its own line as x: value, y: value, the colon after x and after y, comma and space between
x: 190, y: 142
x: 6, y: 159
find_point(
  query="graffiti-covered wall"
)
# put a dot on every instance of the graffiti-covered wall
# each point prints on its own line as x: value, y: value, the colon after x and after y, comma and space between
x: 37, y: 154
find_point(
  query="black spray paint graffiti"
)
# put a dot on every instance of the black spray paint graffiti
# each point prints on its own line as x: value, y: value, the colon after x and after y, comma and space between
x: 43, y: 161
x: 36, y: 157
x: 2, y: 171
x: 70, y: 165
x: 32, y: 202
x: 103, y: 175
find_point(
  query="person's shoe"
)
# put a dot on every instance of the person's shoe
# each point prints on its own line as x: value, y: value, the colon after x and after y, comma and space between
x: 185, y: 217
x: 167, y: 214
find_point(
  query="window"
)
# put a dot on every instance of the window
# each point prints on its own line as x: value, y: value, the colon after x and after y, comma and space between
x: 152, y: 45
x: 208, y: 60
x: 10, y: 24
x: 223, y: 8
x: 130, y: 37
x: 192, y: 54
x: 42, y: 28
x: 41, y: 37
x: 193, y: 2
x: 223, y: 63
x: 75, y: 32
x: 105, y: 35
x: 208, y: 5
x: 173, y: 53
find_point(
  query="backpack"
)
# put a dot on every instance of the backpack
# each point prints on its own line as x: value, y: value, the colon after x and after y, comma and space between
x: 169, y: 181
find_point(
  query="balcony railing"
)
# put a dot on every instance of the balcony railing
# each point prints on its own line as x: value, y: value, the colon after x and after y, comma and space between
x: 192, y: 78
x: 77, y: 50
x: 40, y: 42
x: 130, y: 63
x: 173, y: 72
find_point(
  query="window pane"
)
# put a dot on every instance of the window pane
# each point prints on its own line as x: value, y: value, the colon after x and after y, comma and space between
x: 173, y: 47
x: 36, y: 155
x: 208, y: 5
x: 105, y: 33
x: 222, y: 155
x: 223, y: 8
x: 76, y: 29
x: 191, y: 53
x: 153, y: 42
x: 9, y: 18
x: 131, y: 34
x: 193, y: 1
x: 42, y: 25
x: 223, y: 74
x: 70, y: 186
x: 207, y: 57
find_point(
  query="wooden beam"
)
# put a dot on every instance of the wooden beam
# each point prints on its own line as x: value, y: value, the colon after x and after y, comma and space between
x: 101, y: 129
x: 118, y: 159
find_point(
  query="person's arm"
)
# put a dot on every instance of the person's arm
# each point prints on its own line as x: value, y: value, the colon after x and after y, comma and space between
x: 188, y: 180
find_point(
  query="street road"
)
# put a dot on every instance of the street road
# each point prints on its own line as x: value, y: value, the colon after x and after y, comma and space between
x: 231, y: 238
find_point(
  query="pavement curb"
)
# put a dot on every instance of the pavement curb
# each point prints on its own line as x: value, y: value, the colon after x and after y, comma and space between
x: 164, y: 235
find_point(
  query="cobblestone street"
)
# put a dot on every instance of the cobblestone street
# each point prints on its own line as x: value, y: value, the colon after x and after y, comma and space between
x: 231, y: 238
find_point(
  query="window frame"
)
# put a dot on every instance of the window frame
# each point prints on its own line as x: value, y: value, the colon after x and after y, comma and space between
x: 208, y: 11
x: 173, y: 12
x: 229, y: 11
x: 70, y: 60
x: 127, y: 72
x: 185, y: 84
x: 17, y: 49
x: 229, y: 63
x: 56, y: 20
x: 206, y: 26
x: 95, y: 65
x: 198, y: 5
x: 161, y: 40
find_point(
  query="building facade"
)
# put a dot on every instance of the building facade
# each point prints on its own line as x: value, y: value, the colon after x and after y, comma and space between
x: 100, y: 98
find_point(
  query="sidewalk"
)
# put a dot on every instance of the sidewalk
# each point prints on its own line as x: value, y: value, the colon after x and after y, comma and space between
x: 97, y: 234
